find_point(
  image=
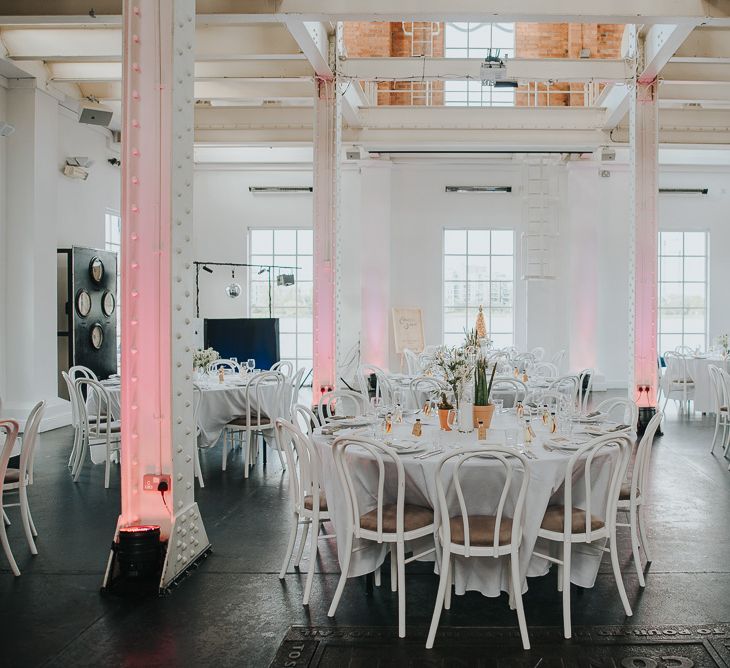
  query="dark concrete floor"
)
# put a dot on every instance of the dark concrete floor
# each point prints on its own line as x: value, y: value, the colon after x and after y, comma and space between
x: 234, y: 610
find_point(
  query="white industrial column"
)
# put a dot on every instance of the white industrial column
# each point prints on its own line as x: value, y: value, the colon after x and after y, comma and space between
x: 158, y: 434
x: 327, y: 147
x: 644, y: 231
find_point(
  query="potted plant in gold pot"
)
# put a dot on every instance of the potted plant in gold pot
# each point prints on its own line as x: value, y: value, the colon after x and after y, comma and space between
x: 483, y: 409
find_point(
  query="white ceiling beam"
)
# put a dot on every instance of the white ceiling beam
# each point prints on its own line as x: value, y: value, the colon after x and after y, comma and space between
x: 562, y: 11
x: 698, y: 72
x: 527, y: 69
x: 680, y: 93
x: 710, y: 44
x: 615, y: 100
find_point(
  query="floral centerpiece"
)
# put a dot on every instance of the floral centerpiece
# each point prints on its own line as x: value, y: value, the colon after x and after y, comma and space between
x: 724, y: 342
x: 455, y: 366
x: 203, y: 358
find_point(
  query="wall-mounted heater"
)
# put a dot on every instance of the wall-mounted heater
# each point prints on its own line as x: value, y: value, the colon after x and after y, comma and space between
x: 261, y: 190
x: 683, y: 191
x: 478, y: 189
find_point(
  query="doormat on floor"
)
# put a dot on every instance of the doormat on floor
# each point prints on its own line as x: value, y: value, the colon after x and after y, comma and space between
x: 495, y: 647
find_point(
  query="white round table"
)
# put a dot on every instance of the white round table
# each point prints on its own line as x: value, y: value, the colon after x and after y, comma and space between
x: 488, y: 576
x: 704, y: 401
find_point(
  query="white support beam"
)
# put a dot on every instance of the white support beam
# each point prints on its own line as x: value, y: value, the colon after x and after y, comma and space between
x: 644, y: 233
x: 527, y: 69
x: 696, y: 72
x: 711, y: 44
x: 615, y: 100
x: 566, y: 11
x: 682, y: 93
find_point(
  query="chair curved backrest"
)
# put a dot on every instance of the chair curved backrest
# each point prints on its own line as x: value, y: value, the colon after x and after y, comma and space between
x: 719, y: 388
x: 383, y: 388
x: 626, y: 408
x: 567, y: 385
x: 340, y: 402
x: 303, y: 464
x: 347, y: 472
x: 640, y: 476
x: 684, y: 350
x: 508, y: 510
x: 515, y: 389
x: 428, y: 385
x: 545, y: 370
x: 97, y: 423
x: 550, y: 398
x: 524, y: 361
x: 30, y: 439
x: 582, y: 469
x: 558, y: 358
x: 80, y: 371
x: 538, y: 353
x: 227, y: 365
x: 677, y: 369
x: 304, y: 414
x: 264, y: 393
x: 413, y: 365
x: 585, y: 385
x: 284, y: 367
x: 74, y: 399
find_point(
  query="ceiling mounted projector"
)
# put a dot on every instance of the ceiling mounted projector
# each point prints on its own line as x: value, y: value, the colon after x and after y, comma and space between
x: 493, y: 69
x: 93, y: 113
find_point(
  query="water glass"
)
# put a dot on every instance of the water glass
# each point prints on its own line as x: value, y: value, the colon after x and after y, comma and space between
x: 498, y: 405
x: 375, y: 403
x: 250, y: 364
x: 511, y: 437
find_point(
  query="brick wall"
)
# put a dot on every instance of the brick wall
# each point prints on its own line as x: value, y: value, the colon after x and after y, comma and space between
x: 532, y: 40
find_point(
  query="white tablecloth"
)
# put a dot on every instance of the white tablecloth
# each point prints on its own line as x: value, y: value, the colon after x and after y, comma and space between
x: 488, y: 576
x: 219, y: 404
x: 704, y: 401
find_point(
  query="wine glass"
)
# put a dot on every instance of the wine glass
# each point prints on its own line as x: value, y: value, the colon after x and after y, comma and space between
x: 375, y: 403
x: 250, y: 364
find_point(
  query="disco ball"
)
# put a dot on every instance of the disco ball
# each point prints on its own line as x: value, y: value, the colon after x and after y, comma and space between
x: 233, y: 290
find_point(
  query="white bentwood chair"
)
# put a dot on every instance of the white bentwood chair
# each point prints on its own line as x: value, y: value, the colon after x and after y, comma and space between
x: 558, y: 358
x: 342, y: 403
x: 567, y: 386
x: 510, y: 390
x: 284, y: 367
x: 545, y: 370
x: 263, y: 397
x: 632, y: 496
x: 10, y: 429
x: 585, y: 386
x: 538, y: 353
x: 18, y: 480
x: 428, y: 386
x: 230, y: 366
x: 304, y: 416
x: 387, y: 521
x: 721, y: 396
x: 595, y: 522
x: 677, y: 382
x: 624, y: 411
x: 306, y: 495
x: 413, y: 365
x: 97, y: 428
x: 383, y: 387
x: 494, y: 535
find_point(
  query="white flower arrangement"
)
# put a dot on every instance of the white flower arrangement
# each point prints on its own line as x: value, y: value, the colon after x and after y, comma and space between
x: 455, y: 366
x: 204, y: 357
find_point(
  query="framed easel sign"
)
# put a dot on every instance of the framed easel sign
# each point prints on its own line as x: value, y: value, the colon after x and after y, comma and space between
x: 408, y: 329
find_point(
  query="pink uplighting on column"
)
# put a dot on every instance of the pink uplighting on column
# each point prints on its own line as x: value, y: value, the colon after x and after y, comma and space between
x: 643, y: 260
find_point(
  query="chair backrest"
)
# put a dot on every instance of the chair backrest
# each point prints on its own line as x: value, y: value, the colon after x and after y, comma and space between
x: 427, y: 385
x: 509, y: 390
x: 73, y: 397
x: 264, y: 393
x: 80, y: 371
x: 515, y: 473
x: 30, y: 439
x: 98, y: 423
x: 538, y: 353
x: 621, y: 409
x: 11, y: 428
x: 413, y: 366
x: 283, y: 366
x: 227, y: 365
x: 684, y: 350
x: 550, y: 398
x: 524, y: 361
x: 582, y: 469
x: 723, y: 379
x: 340, y: 402
x: 585, y: 385
x: 567, y: 385
x: 305, y: 415
x: 719, y: 389
x: 558, y: 358
x: 383, y: 388
x: 349, y: 471
x: 545, y: 370
x: 303, y: 464
x: 640, y: 475
x: 677, y: 368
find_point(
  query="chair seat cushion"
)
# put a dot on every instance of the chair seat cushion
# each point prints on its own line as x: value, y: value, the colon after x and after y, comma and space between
x: 723, y: 408
x: 256, y: 421
x: 100, y: 427
x: 481, y: 530
x: 414, y: 517
x: 12, y: 475
x: 322, y: 502
x: 625, y: 493
x: 555, y: 517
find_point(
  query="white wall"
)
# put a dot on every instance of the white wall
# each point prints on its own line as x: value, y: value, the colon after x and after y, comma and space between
x: 3, y: 238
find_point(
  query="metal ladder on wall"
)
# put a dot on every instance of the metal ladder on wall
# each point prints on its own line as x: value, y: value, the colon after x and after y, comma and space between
x: 422, y: 34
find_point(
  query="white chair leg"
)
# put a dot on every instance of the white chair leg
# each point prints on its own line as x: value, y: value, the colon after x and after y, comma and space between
x: 32, y: 525
x: 246, y: 452
x: 517, y: 596
x: 224, y: 450
x: 401, y: 552
x: 377, y: 576
x: 198, y: 471
x: 303, y: 542
x: 23, y: 493
x: 345, y: 567
x: 447, y: 596
x: 641, y: 517
x: 633, y: 521
x: 443, y: 584
x: 393, y: 569
x: 617, y: 574
x: 566, y: 590
x: 6, y: 519
x: 717, y: 430
x: 290, y: 545
x: 312, y: 561
x: 560, y: 577
x: 7, y: 550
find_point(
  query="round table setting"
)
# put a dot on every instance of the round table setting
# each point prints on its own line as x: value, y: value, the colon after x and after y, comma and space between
x: 704, y: 401
x: 547, y: 455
